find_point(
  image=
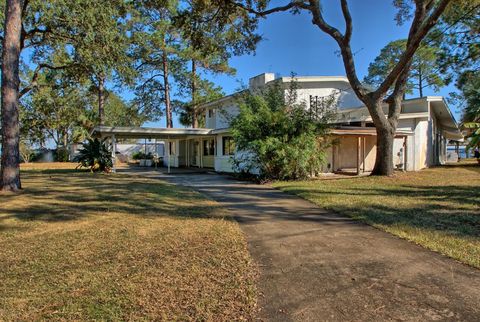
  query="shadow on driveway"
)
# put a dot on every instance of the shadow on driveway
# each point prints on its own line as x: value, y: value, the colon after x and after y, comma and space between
x: 317, y: 266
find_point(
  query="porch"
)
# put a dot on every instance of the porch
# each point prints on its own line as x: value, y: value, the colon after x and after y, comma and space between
x: 356, y: 147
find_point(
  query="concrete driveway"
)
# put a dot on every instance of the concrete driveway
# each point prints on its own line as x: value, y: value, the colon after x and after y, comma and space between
x: 320, y: 266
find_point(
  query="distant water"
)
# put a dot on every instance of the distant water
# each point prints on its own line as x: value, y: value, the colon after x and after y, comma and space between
x: 461, y: 151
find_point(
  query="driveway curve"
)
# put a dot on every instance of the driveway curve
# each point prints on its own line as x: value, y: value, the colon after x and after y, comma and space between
x: 320, y: 266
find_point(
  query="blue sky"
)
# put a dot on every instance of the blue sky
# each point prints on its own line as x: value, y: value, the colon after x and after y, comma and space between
x: 293, y: 44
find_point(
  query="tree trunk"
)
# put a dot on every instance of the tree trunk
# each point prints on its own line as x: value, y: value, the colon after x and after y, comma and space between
x: 65, y: 138
x: 168, y: 108
x: 420, y: 82
x: 10, y: 161
x: 194, y: 93
x: 384, y: 157
x: 385, y: 128
x: 101, y: 99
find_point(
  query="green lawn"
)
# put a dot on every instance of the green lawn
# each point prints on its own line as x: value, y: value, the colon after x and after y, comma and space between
x: 438, y: 208
x: 77, y: 246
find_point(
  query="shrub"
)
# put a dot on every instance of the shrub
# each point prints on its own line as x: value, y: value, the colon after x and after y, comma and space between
x: 95, y: 155
x: 26, y: 151
x: 139, y: 155
x: 278, y: 136
x: 61, y: 155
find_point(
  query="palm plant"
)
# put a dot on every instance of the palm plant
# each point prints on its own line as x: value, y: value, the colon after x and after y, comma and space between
x: 475, y: 135
x: 95, y: 155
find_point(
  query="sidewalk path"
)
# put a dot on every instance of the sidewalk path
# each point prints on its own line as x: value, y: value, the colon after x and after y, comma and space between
x: 320, y: 266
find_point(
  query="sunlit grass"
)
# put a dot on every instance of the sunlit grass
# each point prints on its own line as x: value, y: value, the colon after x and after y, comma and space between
x: 438, y: 208
x: 81, y: 246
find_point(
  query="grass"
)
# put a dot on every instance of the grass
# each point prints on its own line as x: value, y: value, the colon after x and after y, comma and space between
x: 438, y: 208
x: 81, y: 246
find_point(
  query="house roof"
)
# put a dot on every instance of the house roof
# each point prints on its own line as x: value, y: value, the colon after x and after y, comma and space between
x: 302, y: 79
x: 437, y: 105
x: 364, y: 131
x: 147, y: 132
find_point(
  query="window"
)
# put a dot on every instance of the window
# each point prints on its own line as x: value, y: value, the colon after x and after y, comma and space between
x: 318, y: 105
x: 209, y: 147
x: 211, y: 112
x: 228, y: 145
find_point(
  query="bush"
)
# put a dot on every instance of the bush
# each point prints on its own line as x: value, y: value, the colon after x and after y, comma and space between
x: 280, y: 138
x: 26, y: 151
x: 95, y: 155
x: 139, y: 155
x: 61, y: 155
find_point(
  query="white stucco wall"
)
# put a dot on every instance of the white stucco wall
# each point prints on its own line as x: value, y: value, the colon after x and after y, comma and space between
x: 222, y: 163
x: 173, y: 158
x: 342, y: 91
x: 225, y: 114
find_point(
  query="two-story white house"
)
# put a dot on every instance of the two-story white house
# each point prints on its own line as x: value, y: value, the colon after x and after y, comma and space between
x: 425, y: 126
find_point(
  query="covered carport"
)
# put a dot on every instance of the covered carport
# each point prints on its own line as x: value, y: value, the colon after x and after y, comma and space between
x: 168, y: 135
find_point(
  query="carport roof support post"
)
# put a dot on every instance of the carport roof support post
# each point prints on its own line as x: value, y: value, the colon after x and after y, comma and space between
x: 114, y: 151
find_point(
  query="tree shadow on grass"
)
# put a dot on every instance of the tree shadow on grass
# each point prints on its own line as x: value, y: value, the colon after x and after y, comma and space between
x: 60, y: 195
x: 452, y: 209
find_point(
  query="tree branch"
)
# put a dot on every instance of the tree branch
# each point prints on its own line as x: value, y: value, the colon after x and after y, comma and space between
x: 348, y: 21
x: 293, y: 4
x: 34, y: 83
x: 343, y: 43
x: 420, y: 28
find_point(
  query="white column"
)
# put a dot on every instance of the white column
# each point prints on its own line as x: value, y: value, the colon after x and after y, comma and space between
x: 168, y: 154
x: 187, y: 152
x: 114, y: 157
x: 201, y: 153
x: 359, y: 154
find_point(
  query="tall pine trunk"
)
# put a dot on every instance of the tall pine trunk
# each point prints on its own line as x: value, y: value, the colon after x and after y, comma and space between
x: 166, y: 84
x: 420, y: 81
x: 101, y: 99
x: 194, y: 94
x: 10, y: 161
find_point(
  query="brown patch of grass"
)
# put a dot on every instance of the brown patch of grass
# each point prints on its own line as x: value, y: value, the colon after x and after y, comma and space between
x: 47, y: 165
x: 81, y: 246
x: 438, y: 208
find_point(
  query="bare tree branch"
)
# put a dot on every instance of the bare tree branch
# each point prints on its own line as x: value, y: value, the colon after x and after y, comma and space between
x: 343, y: 43
x: 348, y: 21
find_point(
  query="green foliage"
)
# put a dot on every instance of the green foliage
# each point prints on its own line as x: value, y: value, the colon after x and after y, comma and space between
x: 278, y: 136
x: 212, y: 32
x: 469, y: 100
x: 458, y: 37
x: 424, y: 71
x: 206, y: 92
x: 52, y: 111
x: 26, y: 151
x: 65, y: 112
x: 61, y: 155
x: 95, y: 155
x: 474, y: 137
x: 140, y: 155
